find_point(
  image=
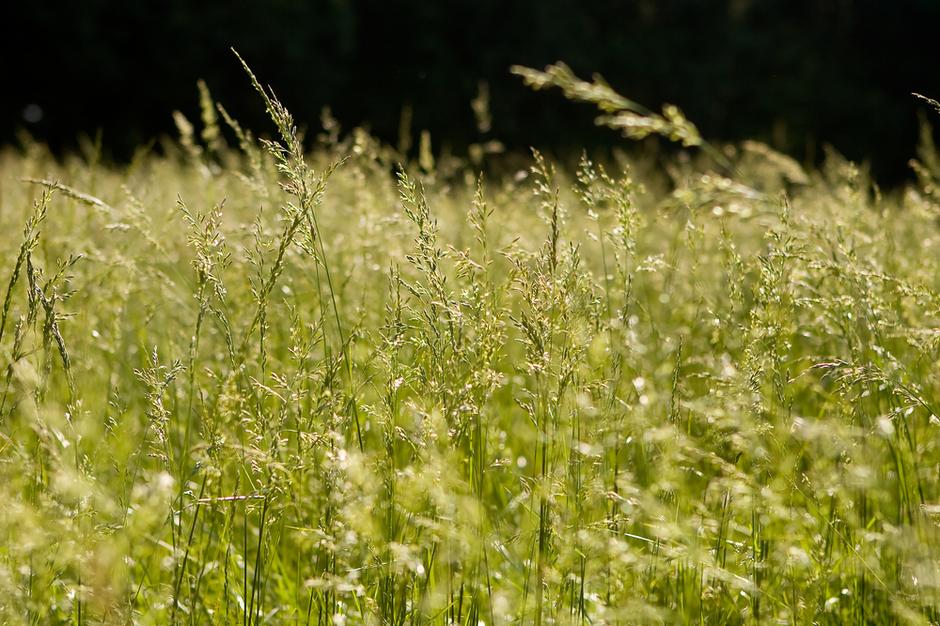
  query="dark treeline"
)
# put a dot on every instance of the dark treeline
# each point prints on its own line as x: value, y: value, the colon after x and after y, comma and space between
x: 796, y: 73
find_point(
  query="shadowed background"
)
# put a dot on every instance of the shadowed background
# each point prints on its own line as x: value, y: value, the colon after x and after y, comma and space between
x: 795, y: 73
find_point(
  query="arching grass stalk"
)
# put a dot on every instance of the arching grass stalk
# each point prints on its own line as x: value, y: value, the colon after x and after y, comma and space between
x: 308, y: 188
x: 631, y: 119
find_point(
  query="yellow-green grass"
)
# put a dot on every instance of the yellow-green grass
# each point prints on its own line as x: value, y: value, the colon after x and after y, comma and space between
x: 254, y: 382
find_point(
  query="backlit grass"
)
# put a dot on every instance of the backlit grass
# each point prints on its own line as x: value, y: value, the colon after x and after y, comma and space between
x: 315, y: 381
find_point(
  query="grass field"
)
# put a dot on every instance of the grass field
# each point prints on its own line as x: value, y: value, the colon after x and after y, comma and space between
x: 291, y: 381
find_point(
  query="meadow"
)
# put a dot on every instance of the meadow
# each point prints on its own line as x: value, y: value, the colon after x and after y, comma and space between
x: 313, y: 380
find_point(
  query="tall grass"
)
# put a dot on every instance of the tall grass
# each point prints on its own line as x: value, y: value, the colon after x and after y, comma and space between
x: 328, y: 383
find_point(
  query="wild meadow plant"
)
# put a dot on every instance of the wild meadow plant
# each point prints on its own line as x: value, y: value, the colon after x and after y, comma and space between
x: 257, y: 380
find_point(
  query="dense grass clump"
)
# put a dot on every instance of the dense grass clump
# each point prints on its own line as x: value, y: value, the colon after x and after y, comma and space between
x: 301, y: 383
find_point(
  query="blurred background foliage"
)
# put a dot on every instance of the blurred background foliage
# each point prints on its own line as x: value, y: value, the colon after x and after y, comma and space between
x: 798, y: 74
